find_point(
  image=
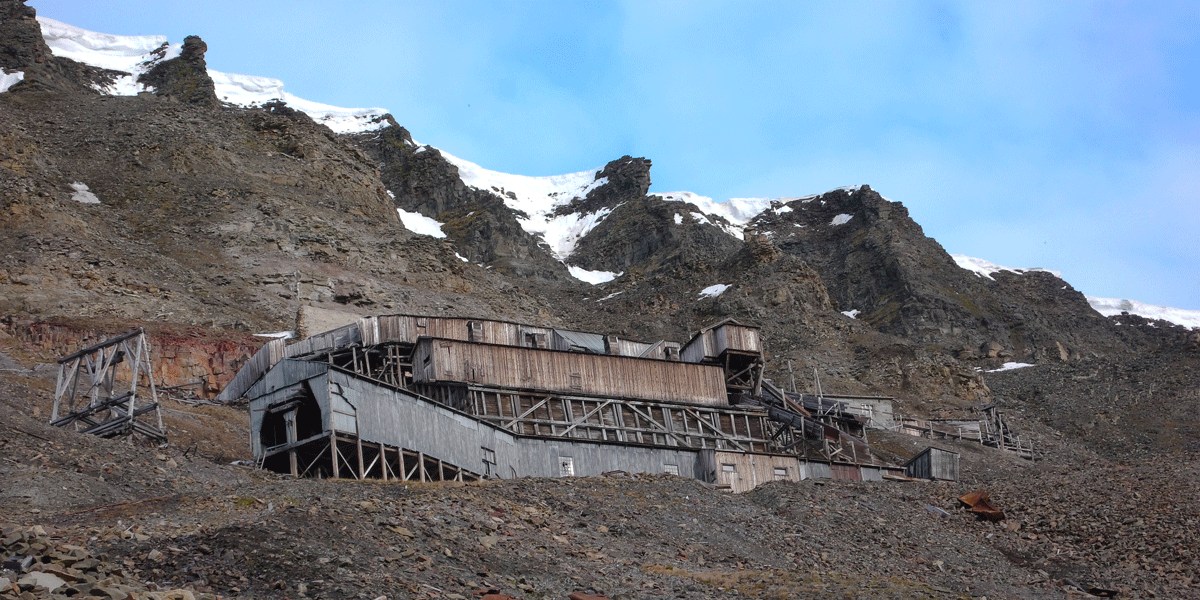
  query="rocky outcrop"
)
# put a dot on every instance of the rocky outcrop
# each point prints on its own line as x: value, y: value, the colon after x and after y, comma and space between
x: 21, y: 42
x: 643, y: 234
x: 627, y: 179
x: 22, y: 48
x: 482, y: 227
x: 876, y: 260
x: 185, y: 77
x: 203, y: 360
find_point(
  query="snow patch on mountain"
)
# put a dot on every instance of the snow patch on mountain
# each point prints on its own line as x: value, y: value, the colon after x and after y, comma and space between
x: 137, y: 54
x: 986, y: 269
x: 535, y: 198
x: 83, y: 194
x: 420, y: 224
x: 738, y: 212
x: 592, y: 277
x: 713, y: 291
x: 1010, y: 366
x: 1110, y: 307
x: 250, y: 90
x: 133, y: 54
x: 8, y: 80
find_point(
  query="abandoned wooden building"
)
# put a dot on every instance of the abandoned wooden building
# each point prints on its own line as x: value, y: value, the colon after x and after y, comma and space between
x: 433, y: 398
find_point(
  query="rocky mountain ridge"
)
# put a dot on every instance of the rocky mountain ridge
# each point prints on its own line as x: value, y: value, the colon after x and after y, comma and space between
x: 218, y: 215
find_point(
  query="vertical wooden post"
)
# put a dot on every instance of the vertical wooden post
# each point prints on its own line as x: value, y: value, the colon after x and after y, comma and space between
x: 289, y: 420
x: 421, y: 464
x: 333, y: 454
x: 383, y: 466
x: 358, y: 445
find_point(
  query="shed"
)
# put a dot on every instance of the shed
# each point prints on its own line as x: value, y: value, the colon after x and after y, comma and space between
x: 933, y: 463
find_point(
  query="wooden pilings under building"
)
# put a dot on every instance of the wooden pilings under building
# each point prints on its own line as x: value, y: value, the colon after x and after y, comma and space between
x: 432, y: 399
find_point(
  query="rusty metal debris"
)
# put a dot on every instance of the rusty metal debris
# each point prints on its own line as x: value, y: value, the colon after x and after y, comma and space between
x: 979, y: 503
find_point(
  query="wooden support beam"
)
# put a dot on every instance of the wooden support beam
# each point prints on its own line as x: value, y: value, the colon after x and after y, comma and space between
x: 333, y: 454
x: 362, y: 473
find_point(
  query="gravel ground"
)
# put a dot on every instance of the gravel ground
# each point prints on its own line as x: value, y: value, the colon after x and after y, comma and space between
x: 179, y: 520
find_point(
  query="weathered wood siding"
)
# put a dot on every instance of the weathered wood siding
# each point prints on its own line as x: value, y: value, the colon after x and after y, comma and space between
x: 568, y: 372
x: 845, y: 472
x: 736, y: 337
x: 407, y: 328
x: 743, y: 471
x: 342, y: 336
x: 712, y: 342
x: 278, y: 384
x: 933, y: 463
x: 701, y: 348
x: 399, y: 419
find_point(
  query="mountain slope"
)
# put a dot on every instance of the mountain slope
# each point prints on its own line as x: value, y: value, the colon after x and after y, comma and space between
x: 152, y: 209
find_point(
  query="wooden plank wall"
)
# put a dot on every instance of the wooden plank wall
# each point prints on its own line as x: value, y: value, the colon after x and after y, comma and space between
x: 407, y: 328
x: 736, y: 337
x: 386, y: 416
x: 700, y: 348
x: 742, y: 472
x: 568, y: 372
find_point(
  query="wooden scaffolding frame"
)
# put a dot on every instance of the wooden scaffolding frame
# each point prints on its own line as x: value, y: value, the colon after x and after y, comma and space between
x: 98, y: 406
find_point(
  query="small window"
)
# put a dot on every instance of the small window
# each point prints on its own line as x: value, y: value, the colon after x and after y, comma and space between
x: 781, y: 473
x: 576, y: 381
x: 566, y: 466
x: 672, y: 469
x: 728, y: 468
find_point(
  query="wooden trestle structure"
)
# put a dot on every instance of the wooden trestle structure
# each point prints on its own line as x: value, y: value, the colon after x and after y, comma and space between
x: 338, y: 455
x: 540, y: 385
x: 87, y: 389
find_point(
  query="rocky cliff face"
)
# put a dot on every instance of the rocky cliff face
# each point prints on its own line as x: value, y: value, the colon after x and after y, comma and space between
x: 184, y: 77
x: 202, y: 359
x: 877, y: 261
x: 482, y: 228
x: 22, y: 48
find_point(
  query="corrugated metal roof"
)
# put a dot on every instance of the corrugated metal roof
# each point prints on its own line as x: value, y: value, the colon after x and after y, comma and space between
x: 591, y: 342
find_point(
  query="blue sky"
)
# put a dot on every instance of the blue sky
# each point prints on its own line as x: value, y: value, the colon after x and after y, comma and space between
x: 1063, y: 135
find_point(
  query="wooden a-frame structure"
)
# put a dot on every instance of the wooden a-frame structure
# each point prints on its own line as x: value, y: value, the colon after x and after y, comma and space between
x: 87, y: 389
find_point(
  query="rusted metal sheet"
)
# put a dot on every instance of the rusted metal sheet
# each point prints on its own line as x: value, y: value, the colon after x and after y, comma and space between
x: 438, y: 360
x: 980, y: 504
